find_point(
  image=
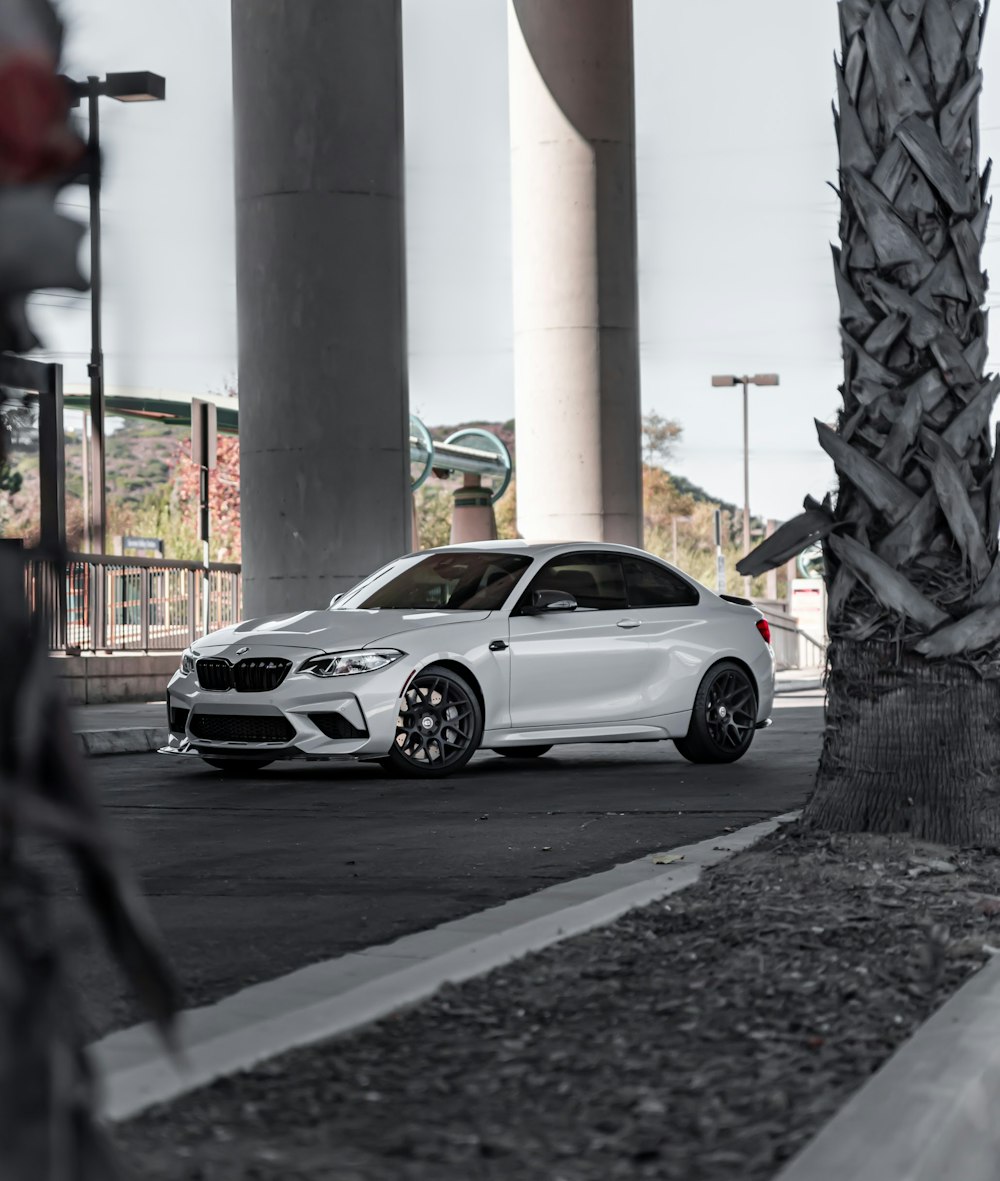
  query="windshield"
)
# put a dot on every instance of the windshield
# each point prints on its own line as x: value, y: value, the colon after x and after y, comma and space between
x: 456, y: 581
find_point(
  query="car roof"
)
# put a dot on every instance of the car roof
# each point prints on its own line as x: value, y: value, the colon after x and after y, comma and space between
x: 538, y: 548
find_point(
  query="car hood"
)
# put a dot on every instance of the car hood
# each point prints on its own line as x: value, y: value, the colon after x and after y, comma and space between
x: 330, y: 631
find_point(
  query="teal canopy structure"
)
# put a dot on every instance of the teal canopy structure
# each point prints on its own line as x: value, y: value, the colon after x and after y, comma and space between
x: 471, y: 451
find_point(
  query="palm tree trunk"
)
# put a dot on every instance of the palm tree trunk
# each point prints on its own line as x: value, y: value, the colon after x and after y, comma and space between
x: 910, y: 544
x: 910, y: 746
x: 913, y: 721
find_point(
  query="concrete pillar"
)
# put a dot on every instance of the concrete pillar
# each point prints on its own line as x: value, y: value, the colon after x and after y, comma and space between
x: 576, y: 343
x: 472, y: 517
x: 324, y: 416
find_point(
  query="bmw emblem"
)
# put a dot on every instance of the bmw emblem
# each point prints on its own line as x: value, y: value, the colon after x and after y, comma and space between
x: 240, y: 651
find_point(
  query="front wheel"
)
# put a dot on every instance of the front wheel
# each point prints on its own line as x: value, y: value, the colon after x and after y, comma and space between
x: 724, y: 716
x: 522, y: 752
x: 238, y: 766
x: 439, y: 727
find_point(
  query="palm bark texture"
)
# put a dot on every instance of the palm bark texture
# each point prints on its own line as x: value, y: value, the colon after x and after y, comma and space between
x: 913, y: 721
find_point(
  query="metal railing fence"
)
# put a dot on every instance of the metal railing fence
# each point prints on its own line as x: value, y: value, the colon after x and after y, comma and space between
x: 794, y: 648
x: 104, y: 603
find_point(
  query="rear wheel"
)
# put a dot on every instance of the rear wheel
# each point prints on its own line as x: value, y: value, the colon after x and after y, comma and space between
x: 439, y: 727
x: 522, y: 752
x: 724, y: 716
x: 238, y: 766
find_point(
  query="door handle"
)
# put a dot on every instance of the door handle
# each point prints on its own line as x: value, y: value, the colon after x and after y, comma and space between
x: 628, y: 623
x: 498, y: 645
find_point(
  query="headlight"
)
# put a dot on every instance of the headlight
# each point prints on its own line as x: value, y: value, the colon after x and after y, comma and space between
x: 346, y: 664
x: 187, y: 663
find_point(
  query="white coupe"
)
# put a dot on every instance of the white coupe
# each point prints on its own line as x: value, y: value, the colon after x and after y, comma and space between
x: 510, y: 646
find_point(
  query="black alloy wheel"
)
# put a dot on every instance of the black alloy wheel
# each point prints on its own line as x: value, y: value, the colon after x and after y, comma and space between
x: 238, y: 766
x: 439, y: 727
x: 724, y: 717
x: 522, y: 752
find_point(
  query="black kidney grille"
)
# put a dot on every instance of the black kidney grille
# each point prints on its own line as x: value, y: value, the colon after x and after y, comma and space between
x: 253, y: 675
x: 215, y: 674
x: 259, y: 674
x: 241, y: 728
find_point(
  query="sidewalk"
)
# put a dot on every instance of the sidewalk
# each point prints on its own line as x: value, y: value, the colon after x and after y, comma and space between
x: 138, y: 727
x: 120, y: 729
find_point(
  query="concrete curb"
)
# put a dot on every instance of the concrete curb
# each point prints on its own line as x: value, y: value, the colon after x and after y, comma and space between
x: 930, y: 1112
x: 128, y: 741
x: 339, y: 995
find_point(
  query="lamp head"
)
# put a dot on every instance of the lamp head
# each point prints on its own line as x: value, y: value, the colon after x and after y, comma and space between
x: 136, y: 86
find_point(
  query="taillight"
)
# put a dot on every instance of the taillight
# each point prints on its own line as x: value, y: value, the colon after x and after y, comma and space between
x: 765, y: 630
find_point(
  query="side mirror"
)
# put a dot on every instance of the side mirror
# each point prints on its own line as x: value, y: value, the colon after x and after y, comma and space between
x: 543, y: 601
x: 335, y: 598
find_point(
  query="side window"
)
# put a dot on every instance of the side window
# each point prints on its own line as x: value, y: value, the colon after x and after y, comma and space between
x: 594, y: 580
x: 650, y: 585
x: 498, y: 580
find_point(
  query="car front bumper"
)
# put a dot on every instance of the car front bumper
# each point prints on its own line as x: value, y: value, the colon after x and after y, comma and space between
x: 304, y: 717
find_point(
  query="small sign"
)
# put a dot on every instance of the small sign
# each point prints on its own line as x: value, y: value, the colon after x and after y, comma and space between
x: 720, y: 574
x: 145, y: 545
x: 809, y: 607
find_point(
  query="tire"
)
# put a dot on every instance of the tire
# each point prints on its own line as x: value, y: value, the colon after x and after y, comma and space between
x: 721, y: 738
x: 522, y: 752
x: 443, y: 745
x: 238, y: 766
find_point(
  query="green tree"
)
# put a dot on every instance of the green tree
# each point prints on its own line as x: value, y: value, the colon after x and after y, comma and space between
x: 912, y: 742
x: 659, y: 435
x: 433, y: 503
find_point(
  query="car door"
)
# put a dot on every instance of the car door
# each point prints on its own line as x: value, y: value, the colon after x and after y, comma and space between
x: 572, y: 668
x: 672, y: 627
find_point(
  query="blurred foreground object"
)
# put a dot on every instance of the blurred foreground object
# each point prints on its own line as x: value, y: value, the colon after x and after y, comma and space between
x: 48, y: 1130
x: 38, y: 152
x: 47, y: 1127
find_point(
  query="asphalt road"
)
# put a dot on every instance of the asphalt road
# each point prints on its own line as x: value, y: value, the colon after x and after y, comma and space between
x: 251, y: 878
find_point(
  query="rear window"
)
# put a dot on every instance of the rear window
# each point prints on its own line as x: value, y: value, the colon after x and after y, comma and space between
x: 450, y: 582
x: 651, y: 585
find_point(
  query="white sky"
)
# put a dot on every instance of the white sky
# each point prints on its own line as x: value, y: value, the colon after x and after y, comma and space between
x: 735, y: 145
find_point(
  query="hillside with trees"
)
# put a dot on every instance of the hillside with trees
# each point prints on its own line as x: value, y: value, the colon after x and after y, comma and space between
x: 153, y: 492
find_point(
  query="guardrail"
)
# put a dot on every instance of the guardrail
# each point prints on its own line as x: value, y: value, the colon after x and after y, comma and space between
x: 103, y: 603
x: 794, y: 648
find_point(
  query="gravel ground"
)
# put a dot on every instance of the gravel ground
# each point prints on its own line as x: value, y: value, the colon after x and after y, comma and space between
x: 705, y: 1037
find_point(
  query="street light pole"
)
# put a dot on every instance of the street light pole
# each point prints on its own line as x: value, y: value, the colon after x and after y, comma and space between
x: 729, y: 379
x: 95, y: 370
x: 136, y: 86
x: 746, y: 478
